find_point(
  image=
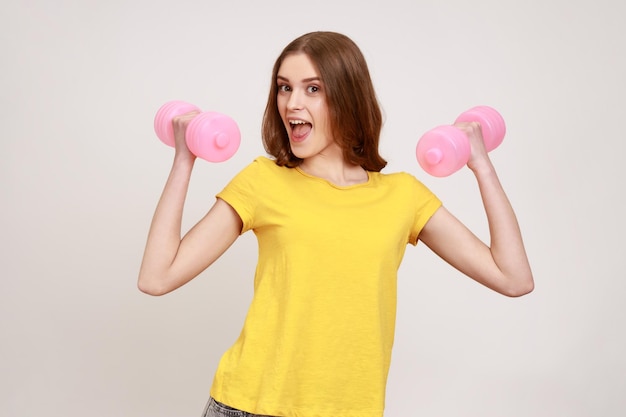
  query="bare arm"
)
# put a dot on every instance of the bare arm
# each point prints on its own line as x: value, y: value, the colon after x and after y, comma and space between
x: 170, y: 261
x: 503, y: 265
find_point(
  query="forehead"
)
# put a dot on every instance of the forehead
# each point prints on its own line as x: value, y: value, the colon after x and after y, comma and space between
x: 297, y: 66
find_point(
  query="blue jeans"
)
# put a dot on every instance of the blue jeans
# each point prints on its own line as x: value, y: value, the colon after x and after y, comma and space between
x: 216, y: 409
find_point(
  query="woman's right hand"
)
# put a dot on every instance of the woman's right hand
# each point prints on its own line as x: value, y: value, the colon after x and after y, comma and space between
x: 179, y: 124
x: 170, y: 260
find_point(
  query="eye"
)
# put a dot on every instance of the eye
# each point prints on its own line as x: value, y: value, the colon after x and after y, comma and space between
x: 283, y: 88
x: 312, y: 89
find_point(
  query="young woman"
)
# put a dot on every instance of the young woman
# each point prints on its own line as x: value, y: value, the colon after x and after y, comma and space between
x: 332, y: 232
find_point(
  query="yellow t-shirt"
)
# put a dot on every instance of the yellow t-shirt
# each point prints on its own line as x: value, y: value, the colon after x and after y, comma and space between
x: 318, y: 335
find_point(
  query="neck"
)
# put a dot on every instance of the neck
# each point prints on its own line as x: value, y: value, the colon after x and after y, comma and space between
x: 336, y: 171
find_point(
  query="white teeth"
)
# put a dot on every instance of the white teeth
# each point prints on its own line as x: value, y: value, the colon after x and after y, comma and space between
x: 297, y: 122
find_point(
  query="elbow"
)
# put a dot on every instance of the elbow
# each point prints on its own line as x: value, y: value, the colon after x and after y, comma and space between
x: 520, y: 289
x: 151, y: 287
x: 150, y: 290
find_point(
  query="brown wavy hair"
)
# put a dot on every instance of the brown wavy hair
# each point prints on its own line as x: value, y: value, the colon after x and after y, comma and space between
x: 355, y: 116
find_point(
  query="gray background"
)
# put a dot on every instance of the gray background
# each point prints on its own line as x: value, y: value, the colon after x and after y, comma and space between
x: 82, y: 170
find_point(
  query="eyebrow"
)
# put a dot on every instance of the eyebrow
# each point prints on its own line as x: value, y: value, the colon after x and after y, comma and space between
x: 306, y: 80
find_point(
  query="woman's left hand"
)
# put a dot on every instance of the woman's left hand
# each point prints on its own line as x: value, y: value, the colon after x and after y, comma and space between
x: 478, y: 155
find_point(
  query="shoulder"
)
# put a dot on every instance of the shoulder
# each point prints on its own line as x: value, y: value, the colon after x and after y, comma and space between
x: 257, y: 167
x: 265, y: 161
x: 265, y: 164
x: 405, y: 184
x: 261, y: 172
x: 261, y: 162
x: 401, y: 179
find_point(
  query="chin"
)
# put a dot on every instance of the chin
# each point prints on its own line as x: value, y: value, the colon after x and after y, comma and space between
x: 300, y: 155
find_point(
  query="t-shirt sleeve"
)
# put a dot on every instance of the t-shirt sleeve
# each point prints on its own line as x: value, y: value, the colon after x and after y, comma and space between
x: 426, y: 203
x: 241, y: 192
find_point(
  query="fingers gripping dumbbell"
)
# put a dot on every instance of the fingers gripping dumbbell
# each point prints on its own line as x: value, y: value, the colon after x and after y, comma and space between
x: 211, y: 136
x: 446, y: 149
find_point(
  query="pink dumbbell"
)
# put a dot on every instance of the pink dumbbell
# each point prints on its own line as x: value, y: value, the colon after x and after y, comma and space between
x: 446, y: 149
x: 211, y: 136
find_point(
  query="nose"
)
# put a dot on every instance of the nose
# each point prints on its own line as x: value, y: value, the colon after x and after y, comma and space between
x: 295, y: 100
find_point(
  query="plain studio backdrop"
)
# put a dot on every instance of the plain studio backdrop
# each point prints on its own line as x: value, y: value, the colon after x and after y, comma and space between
x: 82, y: 170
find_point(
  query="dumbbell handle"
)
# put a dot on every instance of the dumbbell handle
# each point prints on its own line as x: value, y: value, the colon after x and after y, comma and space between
x: 211, y: 136
x: 445, y: 149
x: 491, y: 123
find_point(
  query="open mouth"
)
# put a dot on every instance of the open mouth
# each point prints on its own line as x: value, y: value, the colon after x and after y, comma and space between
x: 300, y: 129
